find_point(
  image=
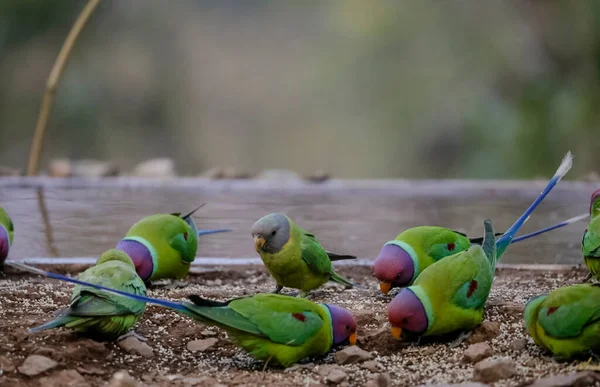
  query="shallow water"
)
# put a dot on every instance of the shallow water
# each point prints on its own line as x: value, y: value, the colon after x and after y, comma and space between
x: 357, y: 217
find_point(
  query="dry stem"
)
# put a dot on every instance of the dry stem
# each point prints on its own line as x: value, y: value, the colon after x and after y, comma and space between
x: 54, y: 77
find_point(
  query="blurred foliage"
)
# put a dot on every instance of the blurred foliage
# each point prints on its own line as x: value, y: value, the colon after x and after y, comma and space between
x: 416, y: 88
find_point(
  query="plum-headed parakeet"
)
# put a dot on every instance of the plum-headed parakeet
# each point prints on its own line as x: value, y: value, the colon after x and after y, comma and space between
x: 6, y: 236
x: 293, y: 256
x: 401, y: 260
x: 163, y: 246
x: 96, y: 313
x: 270, y: 327
x: 567, y: 321
x: 590, y: 243
x: 450, y: 294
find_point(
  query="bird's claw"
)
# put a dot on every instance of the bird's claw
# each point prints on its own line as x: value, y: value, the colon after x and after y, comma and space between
x: 278, y: 289
x: 132, y: 333
x: 177, y: 284
x: 460, y: 339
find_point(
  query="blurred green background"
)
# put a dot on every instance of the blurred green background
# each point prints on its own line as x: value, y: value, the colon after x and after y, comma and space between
x: 360, y: 89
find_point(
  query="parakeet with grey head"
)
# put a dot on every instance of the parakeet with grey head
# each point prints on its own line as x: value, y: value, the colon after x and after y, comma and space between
x: 96, y: 313
x: 163, y: 246
x: 7, y: 231
x: 270, y: 327
x: 450, y: 294
x: 293, y: 256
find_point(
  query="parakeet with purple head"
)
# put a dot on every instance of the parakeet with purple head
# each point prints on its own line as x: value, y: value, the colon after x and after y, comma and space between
x: 566, y: 321
x: 7, y: 231
x: 590, y: 243
x: 451, y: 293
x: 293, y: 256
x: 401, y: 260
x: 163, y: 246
x: 270, y: 327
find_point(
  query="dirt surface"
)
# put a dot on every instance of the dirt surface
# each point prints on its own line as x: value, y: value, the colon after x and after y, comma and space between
x: 26, y: 301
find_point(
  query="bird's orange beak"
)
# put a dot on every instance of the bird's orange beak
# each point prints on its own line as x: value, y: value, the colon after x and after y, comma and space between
x: 259, y: 243
x: 352, y: 338
x: 385, y: 287
x: 396, y: 332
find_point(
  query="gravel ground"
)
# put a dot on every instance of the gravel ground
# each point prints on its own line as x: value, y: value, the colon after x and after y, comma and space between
x: 67, y: 359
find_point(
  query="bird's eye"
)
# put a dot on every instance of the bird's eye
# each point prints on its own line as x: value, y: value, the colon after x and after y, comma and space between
x: 347, y: 327
x: 185, y: 235
x: 274, y: 232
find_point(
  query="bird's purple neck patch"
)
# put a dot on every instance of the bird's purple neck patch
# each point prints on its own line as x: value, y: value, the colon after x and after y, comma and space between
x: 140, y: 255
x: 4, y: 244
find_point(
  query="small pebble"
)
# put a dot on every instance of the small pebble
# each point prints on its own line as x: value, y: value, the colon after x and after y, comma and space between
x: 201, y: 345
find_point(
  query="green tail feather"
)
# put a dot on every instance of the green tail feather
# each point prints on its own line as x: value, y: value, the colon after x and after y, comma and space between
x: 57, y: 322
x: 489, y: 243
x: 335, y: 277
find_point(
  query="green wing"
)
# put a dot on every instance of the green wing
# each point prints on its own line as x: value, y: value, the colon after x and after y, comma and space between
x: 590, y: 243
x: 566, y: 312
x: 113, y: 274
x: 314, y: 255
x: 281, y: 319
x: 445, y: 243
x: 285, y: 320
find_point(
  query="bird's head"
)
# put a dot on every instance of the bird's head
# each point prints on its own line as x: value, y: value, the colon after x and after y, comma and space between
x: 271, y: 233
x: 115, y: 255
x: 343, y: 325
x: 595, y: 203
x: 394, y: 266
x: 4, y: 243
x: 406, y: 313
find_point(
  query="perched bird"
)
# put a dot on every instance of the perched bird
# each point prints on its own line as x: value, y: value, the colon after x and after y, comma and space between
x: 567, y: 321
x: 590, y: 243
x: 96, y: 313
x: 163, y: 246
x: 6, y: 236
x: 269, y: 327
x: 401, y: 260
x: 450, y: 294
x: 293, y: 256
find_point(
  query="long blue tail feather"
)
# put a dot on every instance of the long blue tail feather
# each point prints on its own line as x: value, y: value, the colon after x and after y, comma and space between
x: 558, y: 225
x: 207, y: 232
x: 505, y: 240
x: 150, y: 300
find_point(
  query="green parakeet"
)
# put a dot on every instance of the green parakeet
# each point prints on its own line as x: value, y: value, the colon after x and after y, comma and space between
x: 96, y: 313
x: 401, y: 260
x: 590, y: 243
x: 6, y: 236
x: 293, y: 256
x: 566, y: 321
x: 163, y: 246
x: 270, y: 327
x: 450, y: 294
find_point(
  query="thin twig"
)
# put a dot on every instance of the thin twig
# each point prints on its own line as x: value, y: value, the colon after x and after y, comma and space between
x: 53, y: 78
x: 46, y: 221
